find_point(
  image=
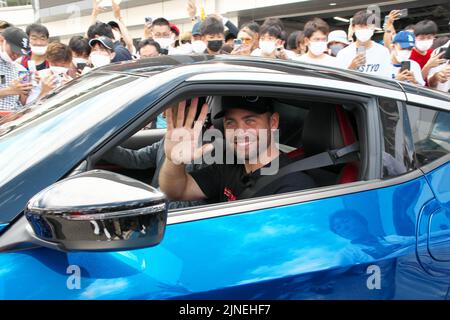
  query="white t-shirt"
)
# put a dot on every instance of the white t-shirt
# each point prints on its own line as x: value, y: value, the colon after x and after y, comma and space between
x: 415, y: 69
x: 378, y: 60
x: 258, y: 53
x: 325, y: 60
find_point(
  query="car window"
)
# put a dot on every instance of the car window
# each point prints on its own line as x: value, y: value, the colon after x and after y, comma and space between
x: 430, y: 133
x: 398, y: 149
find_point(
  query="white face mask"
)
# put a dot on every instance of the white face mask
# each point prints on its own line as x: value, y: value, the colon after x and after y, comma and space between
x: 267, y: 47
x: 364, y: 35
x: 164, y: 43
x: 317, y: 47
x: 76, y: 61
x: 38, y: 50
x: 5, y: 56
x: 59, y: 70
x: 100, y: 60
x: 198, y: 46
x: 403, y: 55
x: 424, y: 45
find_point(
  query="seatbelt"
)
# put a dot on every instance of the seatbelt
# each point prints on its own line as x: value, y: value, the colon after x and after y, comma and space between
x: 324, y: 159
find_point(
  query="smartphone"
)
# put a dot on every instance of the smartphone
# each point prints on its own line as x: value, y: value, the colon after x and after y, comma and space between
x: 26, y: 76
x: 237, y: 43
x: 148, y: 20
x: 361, y: 50
x: 405, y: 65
x: 447, y: 53
x: 402, y: 13
x: 81, y: 66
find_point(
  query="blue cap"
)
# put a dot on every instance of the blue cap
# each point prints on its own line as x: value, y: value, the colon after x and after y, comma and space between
x: 405, y: 39
x: 196, y: 29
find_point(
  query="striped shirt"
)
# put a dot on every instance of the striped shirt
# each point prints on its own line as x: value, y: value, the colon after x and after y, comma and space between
x: 8, y: 73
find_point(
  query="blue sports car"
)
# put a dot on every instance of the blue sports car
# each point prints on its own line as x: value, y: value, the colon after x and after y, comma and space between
x: 74, y: 225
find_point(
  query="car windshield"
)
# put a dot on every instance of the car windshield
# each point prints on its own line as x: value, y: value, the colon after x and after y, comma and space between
x: 41, y: 130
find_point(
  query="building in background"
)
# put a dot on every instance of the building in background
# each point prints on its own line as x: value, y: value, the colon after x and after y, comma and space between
x: 66, y: 18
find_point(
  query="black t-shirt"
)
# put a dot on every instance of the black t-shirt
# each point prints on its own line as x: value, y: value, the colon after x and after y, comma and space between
x: 225, y: 182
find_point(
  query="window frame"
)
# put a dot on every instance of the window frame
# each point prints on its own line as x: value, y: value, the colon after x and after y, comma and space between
x: 369, y: 132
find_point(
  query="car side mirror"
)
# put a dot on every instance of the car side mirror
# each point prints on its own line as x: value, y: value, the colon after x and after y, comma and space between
x: 98, y: 211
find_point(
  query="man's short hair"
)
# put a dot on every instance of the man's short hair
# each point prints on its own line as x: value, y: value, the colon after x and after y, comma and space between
x: 37, y: 29
x: 229, y: 36
x: 254, y: 26
x: 271, y: 30
x: 161, y: 22
x: 149, y: 42
x: 80, y: 45
x: 315, y: 25
x: 362, y: 18
x: 292, y: 42
x: 5, y: 24
x: 425, y: 27
x: 100, y: 29
x: 211, y: 26
x: 58, y: 52
x: 274, y: 22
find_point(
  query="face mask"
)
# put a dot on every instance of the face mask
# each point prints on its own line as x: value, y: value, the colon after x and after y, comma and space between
x: 198, y: 46
x: 403, y: 55
x: 59, y: 70
x: 335, y: 48
x: 100, y: 60
x: 267, y: 47
x: 215, y: 45
x: 424, y: 45
x: 317, y: 47
x: 185, y: 48
x: 164, y: 43
x: 76, y: 61
x: 39, y: 51
x: 5, y: 56
x: 364, y: 35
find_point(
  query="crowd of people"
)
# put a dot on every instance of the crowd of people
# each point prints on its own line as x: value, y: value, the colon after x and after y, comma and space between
x: 31, y: 66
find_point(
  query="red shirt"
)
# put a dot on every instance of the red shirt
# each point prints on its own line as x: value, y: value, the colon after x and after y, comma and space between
x: 419, y: 58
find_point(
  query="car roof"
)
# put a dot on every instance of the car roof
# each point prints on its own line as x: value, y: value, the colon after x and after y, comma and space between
x: 148, y: 67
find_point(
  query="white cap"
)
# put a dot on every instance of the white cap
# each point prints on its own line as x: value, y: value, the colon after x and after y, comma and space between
x: 338, y: 36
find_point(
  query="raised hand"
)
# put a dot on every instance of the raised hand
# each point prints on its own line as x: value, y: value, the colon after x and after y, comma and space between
x: 182, y: 142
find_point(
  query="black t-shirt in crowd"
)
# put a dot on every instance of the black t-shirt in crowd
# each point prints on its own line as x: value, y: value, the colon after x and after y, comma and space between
x: 226, y: 182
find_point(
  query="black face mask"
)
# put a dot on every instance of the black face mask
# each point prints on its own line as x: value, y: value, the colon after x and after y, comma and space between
x: 215, y: 45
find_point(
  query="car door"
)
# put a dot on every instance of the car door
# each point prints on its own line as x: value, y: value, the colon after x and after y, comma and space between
x: 431, y: 133
x: 347, y: 241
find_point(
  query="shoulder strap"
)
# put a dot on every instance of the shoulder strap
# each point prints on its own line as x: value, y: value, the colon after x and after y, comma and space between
x: 324, y: 159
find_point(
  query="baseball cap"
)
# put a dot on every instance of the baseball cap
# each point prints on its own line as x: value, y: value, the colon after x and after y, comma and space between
x: 17, y: 39
x: 105, y: 41
x: 338, y: 36
x: 258, y: 105
x: 174, y: 29
x: 405, y: 39
x: 196, y: 29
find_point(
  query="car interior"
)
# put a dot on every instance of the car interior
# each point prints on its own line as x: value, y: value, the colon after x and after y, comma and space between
x: 307, y: 128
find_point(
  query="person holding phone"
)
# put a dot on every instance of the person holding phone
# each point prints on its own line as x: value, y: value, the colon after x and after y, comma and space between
x: 403, y: 68
x: 439, y: 77
x: 14, y: 90
x: 246, y: 42
x: 365, y: 55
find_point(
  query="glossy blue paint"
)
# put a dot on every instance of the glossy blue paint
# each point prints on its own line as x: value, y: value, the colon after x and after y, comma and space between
x: 3, y: 226
x: 436, y: 225
x: 320, y: 249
